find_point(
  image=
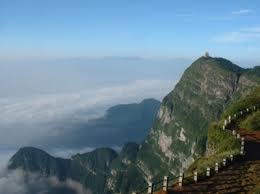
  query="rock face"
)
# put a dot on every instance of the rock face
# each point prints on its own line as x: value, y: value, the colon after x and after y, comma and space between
x: 180, y: 130
x: 124, y: 176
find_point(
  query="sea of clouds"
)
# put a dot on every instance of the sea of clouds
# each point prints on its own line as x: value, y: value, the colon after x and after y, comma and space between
x: 24, y: 120
x: 38, y: 101
x: 19, y: 182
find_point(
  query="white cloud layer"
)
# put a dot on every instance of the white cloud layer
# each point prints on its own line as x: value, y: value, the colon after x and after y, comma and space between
x: 240, y: 36
x: 251, y: 30
x: 18, y: 182
x: 68, y: 152
x: 23, y: 119
x: 27, y: 118
x: 5, y: 155
x: 242, y: 11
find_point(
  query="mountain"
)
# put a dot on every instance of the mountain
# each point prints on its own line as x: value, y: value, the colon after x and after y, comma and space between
x: 179, y: 134
x: 121, y: 123
x: 221, y: 144
x: 36, y: 160
x: 90, y: 169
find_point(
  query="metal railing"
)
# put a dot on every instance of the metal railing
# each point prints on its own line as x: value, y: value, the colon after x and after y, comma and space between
x: 210, y: 170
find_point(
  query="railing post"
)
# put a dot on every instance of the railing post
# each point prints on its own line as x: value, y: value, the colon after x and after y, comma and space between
x: 223, y: 127
x: 254, y: 108
x: 208, y: 172
x: 216, y: 167
x: 225, y: 122
x: 229, y: 119
x: 150, y: 188
x: 224, y: 162
x: 247, y: 110
x: 180, y: 179
x: 231, y: 157
x: 238, y: 136
x: 242, y: 149
x: 165, y: 183
x: 235, y: 115
x: 234, y: 132
x: 195, y: 176
x: 242, y: 141
x: 241, y: 113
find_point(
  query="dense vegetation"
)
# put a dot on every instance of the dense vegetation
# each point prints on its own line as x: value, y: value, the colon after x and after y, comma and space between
x: 222, y: 143
x: 179, y: 135
x: 252, y: 122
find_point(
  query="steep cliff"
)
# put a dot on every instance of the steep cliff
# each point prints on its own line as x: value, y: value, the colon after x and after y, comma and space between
x: 179, y: 134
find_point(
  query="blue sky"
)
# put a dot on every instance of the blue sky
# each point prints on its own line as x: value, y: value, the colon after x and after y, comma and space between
x: 143, y: 28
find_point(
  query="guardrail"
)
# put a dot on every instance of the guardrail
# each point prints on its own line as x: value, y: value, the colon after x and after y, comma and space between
x: 209, y: 170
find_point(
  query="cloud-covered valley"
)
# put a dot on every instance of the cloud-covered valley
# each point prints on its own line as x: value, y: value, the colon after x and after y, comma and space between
x: 19, y: 182
x: 26, y: 120
x: 48, y: 105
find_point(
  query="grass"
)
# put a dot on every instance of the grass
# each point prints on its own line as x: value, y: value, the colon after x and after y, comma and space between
x: 221, y: 143
x: 202, y: 163
x: 249, y: 101
x: 252, y: 122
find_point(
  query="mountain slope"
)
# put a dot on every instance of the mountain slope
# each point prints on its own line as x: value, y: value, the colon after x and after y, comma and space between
x: 90, y: 169
x: 243, y: 176
x: 179, y: 134
x: 35, y: 160
x: 125, y: 176
x: 221, y: 144
x: 180, y: 131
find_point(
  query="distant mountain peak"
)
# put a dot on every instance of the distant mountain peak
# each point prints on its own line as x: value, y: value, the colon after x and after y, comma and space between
x: 217, y: 63
x: 28, y: 152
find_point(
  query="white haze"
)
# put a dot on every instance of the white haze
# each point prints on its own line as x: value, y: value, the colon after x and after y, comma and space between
x: 39, y: 97
x: 13, y: 182
x: 68, y: 152
x: 23, y: 120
